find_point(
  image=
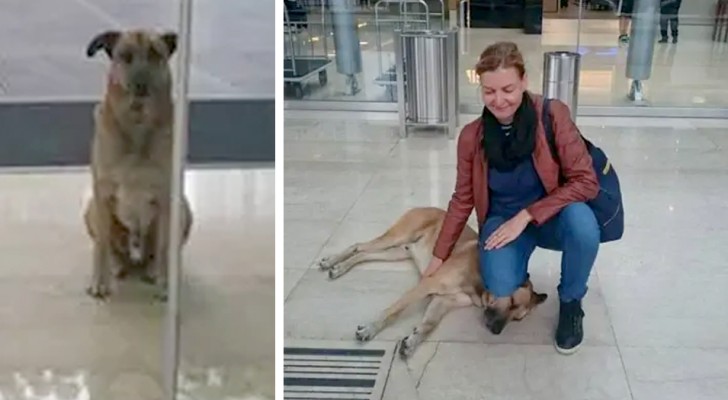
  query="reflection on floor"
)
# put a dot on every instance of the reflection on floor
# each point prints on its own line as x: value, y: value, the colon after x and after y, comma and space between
x: 654, y: 325
x: 59, y: 344
x: 688, y: 74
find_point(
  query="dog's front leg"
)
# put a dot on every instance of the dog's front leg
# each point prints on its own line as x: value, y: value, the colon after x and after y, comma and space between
x: 161, y: 256
x: 426, y: 287
x: 436, y: 310
x: 100, y: 287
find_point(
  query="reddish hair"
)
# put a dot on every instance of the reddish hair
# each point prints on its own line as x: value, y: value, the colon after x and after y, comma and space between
x: 501, y: 55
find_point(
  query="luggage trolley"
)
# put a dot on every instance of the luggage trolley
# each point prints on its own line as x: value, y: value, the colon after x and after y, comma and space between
x: 297, y: 69
x: 413, y: 15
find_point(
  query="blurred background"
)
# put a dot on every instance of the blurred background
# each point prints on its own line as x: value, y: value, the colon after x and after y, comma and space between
x: 687, y: 77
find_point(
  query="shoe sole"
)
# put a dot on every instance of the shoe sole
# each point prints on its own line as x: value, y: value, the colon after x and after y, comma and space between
x: 567, y: 352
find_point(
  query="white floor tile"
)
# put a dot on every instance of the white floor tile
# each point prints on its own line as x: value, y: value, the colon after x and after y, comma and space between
x: 657, y: 289
x: 113, y: 350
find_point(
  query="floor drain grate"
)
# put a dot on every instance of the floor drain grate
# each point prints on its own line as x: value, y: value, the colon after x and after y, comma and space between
x: 335, y: 370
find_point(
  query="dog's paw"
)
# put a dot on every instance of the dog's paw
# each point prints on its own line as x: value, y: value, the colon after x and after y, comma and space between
x: 408, y: 344
x: 325, y: 264
x: 99, y: 291
x: 336, y: 272
x: 365, y: 333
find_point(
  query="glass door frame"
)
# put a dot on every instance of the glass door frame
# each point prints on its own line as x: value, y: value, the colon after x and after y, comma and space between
x: 171, y: 338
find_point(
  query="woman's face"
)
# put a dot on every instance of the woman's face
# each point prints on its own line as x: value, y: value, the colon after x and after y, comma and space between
x: 502, y: 92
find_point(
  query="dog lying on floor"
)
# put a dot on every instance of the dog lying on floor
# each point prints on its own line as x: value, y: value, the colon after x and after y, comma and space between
x: 456, y: 284
x: 135, y: 207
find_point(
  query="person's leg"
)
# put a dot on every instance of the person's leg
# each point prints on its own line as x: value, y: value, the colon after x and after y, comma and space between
x: 575, y: 232
x: 504, y: 270
x: 664, y: 20
x: 674, y: 19
x: 623, y: 27
x: 625, y: 17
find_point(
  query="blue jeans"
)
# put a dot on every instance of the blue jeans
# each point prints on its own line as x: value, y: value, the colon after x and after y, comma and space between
x: 573, y: 231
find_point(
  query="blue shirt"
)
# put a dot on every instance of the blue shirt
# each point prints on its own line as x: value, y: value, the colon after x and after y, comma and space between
x: 512, y: 191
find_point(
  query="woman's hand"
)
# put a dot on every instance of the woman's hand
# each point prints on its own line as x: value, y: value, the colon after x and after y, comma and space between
x: 509, y: 231
x: 434, y: 265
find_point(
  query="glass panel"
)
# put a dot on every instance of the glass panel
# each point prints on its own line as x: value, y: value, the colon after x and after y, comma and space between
x: 532, y: 25
x: 342, y: 50
x: 65, y: 343
x: 58, y: 342
x: 227, y: 285
x: 686, y: 68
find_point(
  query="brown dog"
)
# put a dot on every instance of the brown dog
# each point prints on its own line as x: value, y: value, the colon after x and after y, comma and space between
x: 456, y: 284
x: 133, y: 127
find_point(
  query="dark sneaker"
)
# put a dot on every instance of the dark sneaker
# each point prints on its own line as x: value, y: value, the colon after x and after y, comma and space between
x: 570, y: 332
x: 674, y: 39
x: 624, y: 38
x: 662, y: 40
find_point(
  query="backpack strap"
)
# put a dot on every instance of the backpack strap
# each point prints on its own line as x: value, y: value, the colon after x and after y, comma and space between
x: 548, y: 128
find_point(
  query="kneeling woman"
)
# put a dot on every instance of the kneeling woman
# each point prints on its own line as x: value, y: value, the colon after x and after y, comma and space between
x: 505, y: 170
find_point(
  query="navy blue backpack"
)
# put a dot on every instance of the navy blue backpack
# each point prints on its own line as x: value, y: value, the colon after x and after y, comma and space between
x: 607, y: 206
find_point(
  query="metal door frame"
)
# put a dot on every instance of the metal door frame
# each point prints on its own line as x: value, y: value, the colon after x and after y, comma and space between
x: 171, y: 356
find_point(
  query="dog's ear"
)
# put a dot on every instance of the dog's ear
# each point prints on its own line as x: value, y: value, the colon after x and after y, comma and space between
x: 170, y: 40
x: 105, y: 40
x: 541, y: 297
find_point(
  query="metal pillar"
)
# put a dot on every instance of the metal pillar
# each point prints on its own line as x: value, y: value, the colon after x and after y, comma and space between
x: 561, y: 78
x: 642, y: 45
x: 346, y: 42
x: 179, y: 151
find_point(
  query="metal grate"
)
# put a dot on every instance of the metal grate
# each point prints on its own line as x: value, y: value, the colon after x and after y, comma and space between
x: 335, y: 371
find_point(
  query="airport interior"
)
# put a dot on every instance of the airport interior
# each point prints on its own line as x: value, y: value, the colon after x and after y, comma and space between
x: 215, y: 339
x: 376, y: 96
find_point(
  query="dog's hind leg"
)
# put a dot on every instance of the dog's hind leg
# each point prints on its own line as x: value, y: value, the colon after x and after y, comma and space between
x: 426, y: 287
x: 436, y: 310
x: 395, y: 236
x: 391, y: 254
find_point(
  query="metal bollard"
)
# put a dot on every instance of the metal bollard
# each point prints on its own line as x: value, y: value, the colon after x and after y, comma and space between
x: 346, y: 42
x: 642, y: 45
x: 720, y: 25
x: 561, y: 78
x: 427, y: 91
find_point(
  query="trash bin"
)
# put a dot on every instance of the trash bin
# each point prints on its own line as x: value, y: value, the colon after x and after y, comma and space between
x: 426, y: 63
x: 561, y: 78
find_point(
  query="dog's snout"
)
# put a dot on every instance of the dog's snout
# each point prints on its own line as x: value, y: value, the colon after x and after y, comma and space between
x: 141, y: 89
x: 494, y: 321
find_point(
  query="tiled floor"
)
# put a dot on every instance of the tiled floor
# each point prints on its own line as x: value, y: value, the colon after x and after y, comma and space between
x: 42, y: 54
x: 655, y: 325
x: 60, y: 344
x: 687, y: 74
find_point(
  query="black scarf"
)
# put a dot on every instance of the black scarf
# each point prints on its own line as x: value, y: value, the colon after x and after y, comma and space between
x: 503, y: 152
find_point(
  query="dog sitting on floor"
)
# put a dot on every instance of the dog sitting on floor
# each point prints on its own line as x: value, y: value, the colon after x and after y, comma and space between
x: 132, y: 122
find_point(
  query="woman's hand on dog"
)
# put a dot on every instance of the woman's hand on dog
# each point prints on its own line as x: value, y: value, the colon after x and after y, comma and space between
x: 509, y: 231
x: 434, y: 265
